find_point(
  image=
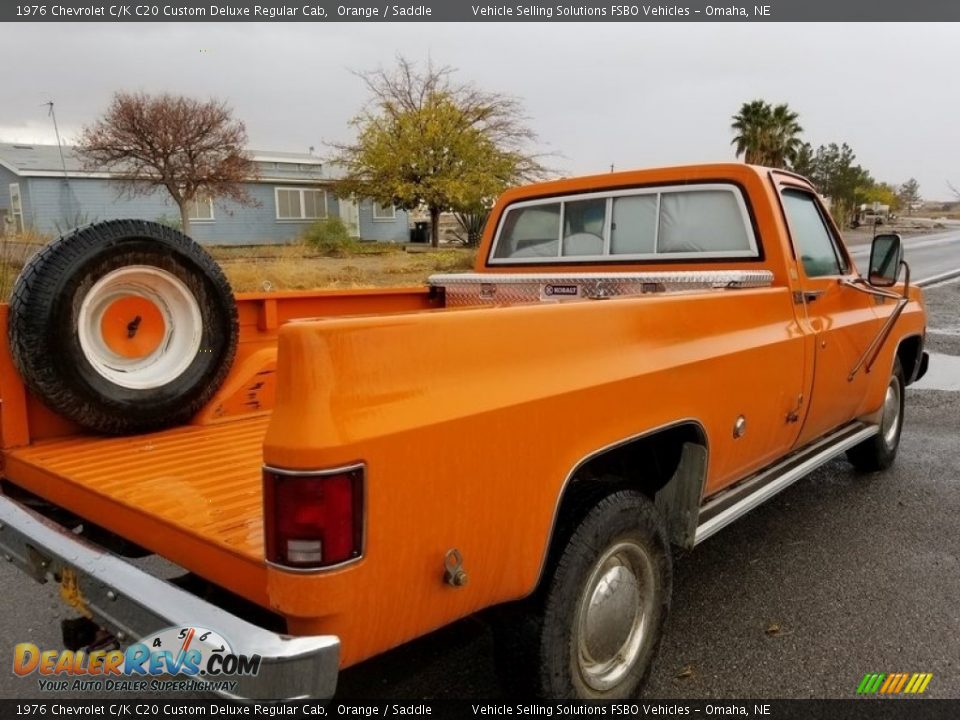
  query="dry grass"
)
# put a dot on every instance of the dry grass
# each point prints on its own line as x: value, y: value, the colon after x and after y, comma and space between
x: 296, y: 269
x: 15, y: 250
x: 287, y: 267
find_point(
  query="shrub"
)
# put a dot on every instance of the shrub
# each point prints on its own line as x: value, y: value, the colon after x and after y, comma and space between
x: 171, y: 221
x: 72, y: 222
x: 330, y: 237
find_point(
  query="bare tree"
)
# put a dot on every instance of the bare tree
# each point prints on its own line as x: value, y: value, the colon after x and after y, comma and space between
x: 193, y: 149
x: 425, y: 140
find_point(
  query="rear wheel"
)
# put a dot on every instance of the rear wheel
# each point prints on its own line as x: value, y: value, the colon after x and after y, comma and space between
x: 123, y: 326
x: 879, y: 452
x: 593, y: 631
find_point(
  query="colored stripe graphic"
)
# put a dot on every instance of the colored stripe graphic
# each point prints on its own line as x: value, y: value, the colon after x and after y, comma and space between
x: 894, y: 683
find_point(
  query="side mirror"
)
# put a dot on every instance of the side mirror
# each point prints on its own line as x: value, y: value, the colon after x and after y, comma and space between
x: 886, y: 254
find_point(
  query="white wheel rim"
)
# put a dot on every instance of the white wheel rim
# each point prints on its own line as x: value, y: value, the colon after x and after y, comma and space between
x: 168, y: 301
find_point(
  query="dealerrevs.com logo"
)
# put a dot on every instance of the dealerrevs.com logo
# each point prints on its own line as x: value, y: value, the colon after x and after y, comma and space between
x: 203, y: 656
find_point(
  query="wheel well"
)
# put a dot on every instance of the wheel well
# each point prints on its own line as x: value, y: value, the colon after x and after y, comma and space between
x: 908, y: 353
x: 646, y: 463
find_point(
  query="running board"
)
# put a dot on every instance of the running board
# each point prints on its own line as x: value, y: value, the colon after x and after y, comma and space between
x: 728, y: 505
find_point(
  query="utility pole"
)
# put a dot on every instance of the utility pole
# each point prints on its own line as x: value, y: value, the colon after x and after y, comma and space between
x: 63, y: 162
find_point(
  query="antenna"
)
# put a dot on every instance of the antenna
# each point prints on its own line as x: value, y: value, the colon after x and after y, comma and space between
x: 56, y: 130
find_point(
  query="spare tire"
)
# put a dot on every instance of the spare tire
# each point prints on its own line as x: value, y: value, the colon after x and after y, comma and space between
x: 123, y: 326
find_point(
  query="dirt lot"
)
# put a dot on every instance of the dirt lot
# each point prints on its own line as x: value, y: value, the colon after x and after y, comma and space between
x: 296, y: 268
x: 293, y: 267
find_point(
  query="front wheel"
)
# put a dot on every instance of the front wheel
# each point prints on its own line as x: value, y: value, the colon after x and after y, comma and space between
x: 879, y: 452
x: 592, y: 633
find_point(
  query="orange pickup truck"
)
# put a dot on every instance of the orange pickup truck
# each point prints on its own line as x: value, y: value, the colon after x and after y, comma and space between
x: 638, y: 359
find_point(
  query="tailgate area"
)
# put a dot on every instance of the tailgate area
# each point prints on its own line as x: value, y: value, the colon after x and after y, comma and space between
x: 191, y: 494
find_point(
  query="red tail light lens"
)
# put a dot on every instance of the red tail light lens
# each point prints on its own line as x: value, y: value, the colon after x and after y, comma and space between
x: 313, y: 519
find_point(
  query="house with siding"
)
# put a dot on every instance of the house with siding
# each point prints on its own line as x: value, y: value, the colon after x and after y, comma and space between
x: 48, y: 192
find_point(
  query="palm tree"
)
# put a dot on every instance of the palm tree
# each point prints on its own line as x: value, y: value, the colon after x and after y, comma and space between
x: 751, y: 125
x: 784, y: 138
x: 766, y: 135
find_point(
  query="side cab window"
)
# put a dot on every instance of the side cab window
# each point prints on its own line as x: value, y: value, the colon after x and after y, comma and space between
x: 813, y: 238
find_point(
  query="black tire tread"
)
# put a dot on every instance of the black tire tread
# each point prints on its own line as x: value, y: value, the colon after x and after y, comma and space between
x: 38, y: 285
x: 527, y: 633
x: 872, y: 455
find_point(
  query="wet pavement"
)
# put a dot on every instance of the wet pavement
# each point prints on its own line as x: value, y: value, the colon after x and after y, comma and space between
x: 929, y: 255
x: 839, y: 575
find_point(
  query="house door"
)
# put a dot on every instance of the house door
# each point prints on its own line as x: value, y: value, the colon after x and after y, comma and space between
x: 350, y: 214
x: 16, y: 207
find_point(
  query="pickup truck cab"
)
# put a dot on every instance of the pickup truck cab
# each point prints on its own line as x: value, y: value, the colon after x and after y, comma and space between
x: 638, y: 359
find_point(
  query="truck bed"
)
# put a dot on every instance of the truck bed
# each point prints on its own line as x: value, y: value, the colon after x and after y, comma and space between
x: 192, y: 493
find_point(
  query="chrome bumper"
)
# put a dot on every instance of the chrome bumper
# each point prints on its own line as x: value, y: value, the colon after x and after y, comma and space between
x: 131, y: 604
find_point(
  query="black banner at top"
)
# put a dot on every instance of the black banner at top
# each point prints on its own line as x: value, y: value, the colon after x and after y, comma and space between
x: 479, y: 11
x: 153, y: 707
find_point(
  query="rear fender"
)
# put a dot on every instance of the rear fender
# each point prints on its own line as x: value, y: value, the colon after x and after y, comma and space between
x: 676, y: 487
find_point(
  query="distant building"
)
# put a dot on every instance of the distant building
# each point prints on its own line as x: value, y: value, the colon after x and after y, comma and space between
x: 293, y: 190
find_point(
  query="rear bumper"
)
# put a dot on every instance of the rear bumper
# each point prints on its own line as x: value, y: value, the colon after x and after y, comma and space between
x: 131, y: 604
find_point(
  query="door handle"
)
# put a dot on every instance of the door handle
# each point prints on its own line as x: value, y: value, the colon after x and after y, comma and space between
x: 806, y: 296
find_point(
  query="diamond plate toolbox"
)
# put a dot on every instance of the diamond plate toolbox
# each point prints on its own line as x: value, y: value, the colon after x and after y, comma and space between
x: 523, y: 288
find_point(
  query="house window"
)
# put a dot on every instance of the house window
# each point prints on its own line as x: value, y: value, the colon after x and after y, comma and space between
x: 16, y: 207
x: 301, y: 204
x: 200, y: 209
x: 384, y: 212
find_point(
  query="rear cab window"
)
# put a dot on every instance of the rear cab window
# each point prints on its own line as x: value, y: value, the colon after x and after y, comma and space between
x: 706, y: 221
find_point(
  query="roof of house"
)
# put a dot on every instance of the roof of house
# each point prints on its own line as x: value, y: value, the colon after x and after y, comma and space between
x: 33, y: 160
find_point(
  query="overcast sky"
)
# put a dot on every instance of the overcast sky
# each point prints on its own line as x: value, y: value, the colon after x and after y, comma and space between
x: 629, y: 94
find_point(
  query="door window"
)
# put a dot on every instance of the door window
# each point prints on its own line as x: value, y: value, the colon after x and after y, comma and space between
x: 811, y: 236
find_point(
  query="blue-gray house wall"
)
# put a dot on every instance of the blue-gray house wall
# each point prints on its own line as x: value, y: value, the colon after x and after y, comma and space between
x: 52, y: 205
x: 395, y: 230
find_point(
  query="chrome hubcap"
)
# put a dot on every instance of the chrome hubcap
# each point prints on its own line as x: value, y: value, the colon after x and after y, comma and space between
x: 889, y: 425
x: 615, y: 611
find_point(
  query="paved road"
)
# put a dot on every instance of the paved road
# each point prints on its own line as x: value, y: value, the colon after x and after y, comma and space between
x: 928, y: 255
x: 840, y: 575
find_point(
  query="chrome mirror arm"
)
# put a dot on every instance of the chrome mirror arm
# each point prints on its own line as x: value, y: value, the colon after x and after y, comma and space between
x: 869, y: 356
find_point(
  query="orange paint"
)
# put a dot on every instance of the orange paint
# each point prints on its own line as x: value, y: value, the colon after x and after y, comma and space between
x: 132, y: 326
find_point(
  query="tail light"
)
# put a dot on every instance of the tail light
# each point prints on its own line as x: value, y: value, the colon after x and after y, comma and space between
x: 313, y: 519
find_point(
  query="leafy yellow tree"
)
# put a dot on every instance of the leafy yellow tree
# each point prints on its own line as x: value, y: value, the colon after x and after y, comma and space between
x: 882, y: 193
x: 425, y: 141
